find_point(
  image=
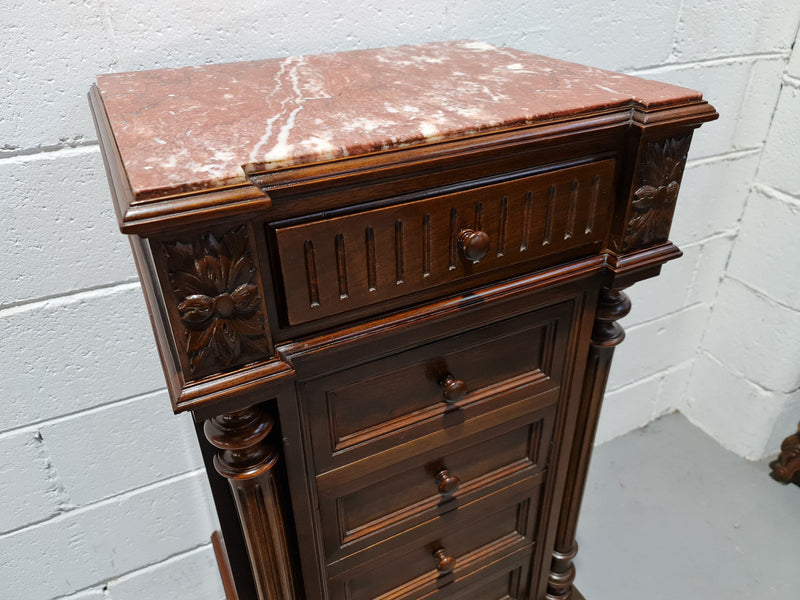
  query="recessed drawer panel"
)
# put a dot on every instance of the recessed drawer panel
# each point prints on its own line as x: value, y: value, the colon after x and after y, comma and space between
x: 333, y: 265
x: 365, y: 511
x: 379, y: 404
x: 505, y: 578
x: 439, y: 560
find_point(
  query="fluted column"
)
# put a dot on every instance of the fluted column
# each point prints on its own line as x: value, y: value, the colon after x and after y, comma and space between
x: 606, y: 333
x: 247, y: 459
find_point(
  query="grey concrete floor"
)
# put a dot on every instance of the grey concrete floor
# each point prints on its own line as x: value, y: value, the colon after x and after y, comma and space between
x: 669, y: 514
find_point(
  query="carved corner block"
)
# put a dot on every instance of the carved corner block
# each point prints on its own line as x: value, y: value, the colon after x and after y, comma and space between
x: 656, y: 183
x: 214, y: 296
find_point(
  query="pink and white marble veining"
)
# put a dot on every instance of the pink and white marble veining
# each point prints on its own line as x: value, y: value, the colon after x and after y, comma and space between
x: 205, y: 127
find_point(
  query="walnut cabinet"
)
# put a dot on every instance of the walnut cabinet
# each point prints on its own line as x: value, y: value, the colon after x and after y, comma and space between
x: 386, y: 283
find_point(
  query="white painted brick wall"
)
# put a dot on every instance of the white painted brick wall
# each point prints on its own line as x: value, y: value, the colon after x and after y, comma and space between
x: 779, y: 165
x: 745, y: 389
x: 712, y: 196
x: 75, y: 352
x: 100, y: 487
x: 745, y: 417
x: 103, y: 540
x: 755, y: 336
x: 767, y: 254
x: 58, y: 232
x: 724, y: 28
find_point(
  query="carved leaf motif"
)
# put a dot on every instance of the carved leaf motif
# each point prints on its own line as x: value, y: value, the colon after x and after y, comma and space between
x: 786, y: 468
x: 214, y: 281
x: 660, y: 173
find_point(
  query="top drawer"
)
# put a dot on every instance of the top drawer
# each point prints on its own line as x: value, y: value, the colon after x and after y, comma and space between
x: 331, y: 266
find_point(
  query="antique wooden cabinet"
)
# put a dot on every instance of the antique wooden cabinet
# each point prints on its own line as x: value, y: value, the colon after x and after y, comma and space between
x: 386, y: 284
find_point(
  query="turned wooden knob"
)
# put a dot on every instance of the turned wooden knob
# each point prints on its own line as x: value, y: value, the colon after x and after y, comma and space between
x: 446, y: 563
x: 447, y: 482
x: 454, y: 389
x: 474, y: 244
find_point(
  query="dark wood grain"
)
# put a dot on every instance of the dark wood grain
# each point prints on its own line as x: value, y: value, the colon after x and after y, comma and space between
x: 463, y: 543
x: 469, y: 222
x: 786, y: 468
x: 400, y: 355
x: 225, y: 572
x: 363, y: 409
x: 607, y: 333
x: 369, y: 509
x: 247, y: 459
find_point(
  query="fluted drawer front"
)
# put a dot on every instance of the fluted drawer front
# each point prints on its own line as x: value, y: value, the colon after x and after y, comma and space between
x: 375, y: 406
x: 362, y: 512
x: 439, y: 559
x: 333, y: 265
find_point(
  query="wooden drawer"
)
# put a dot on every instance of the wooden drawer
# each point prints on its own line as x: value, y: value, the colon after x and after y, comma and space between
x: 411, y: 571
x: 505, y: 578
x: 380, y: 404
x: 367, y: 510
x: 358, y: 259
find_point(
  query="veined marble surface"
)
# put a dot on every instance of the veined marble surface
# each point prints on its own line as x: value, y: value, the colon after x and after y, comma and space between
x: 203, y: 127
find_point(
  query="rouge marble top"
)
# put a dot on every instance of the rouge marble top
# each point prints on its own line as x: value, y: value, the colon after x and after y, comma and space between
x: 193, y: 128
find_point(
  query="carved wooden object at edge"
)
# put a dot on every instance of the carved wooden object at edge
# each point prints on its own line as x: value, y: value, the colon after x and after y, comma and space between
x: 606, y: 333
x: 214, y: 280
x: 247, y: 458
x: 375, y: 265
x: 659, y: 177
x: 786, y: 468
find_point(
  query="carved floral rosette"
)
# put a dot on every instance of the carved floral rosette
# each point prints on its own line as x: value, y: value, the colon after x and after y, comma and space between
x: 660, y: 171
x: 215, y: 283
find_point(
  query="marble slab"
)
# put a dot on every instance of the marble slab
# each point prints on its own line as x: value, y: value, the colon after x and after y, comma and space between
x: 193, y: 128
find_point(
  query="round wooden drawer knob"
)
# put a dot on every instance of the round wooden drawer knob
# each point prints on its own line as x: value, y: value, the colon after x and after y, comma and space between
x: 454, y: 389
x: 474, y: 244
x: 446, y: 563
x: 447, y: 482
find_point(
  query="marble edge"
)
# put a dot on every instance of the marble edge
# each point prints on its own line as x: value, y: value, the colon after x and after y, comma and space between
x: 156, y: 194
x: 682, y: 97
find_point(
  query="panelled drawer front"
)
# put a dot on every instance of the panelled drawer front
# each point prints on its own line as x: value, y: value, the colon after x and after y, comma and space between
x: 377, y: 405
x: 407, y: 570
x: 504, y: 579
x: 358, y: 514
x: 334, y: 265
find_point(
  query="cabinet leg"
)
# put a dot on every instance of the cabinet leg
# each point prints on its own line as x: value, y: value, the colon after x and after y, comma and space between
x: 606, y: 333
x: 247, y: 459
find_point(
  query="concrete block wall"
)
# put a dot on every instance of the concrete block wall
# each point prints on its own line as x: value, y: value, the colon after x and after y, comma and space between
x: 737, y: 53
x: 101, y: 488
x: 745, y: 390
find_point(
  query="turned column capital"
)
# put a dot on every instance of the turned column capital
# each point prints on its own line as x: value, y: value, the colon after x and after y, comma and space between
x: 243, y: 440
x: 612, y: 305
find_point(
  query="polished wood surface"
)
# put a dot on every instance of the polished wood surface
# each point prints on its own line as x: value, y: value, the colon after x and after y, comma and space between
x: 247, y: 459
x: 786, y: 468
x: 606, y: 333
x: 225, y: 573
x: 396, y: 358
x: 361, y: 258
